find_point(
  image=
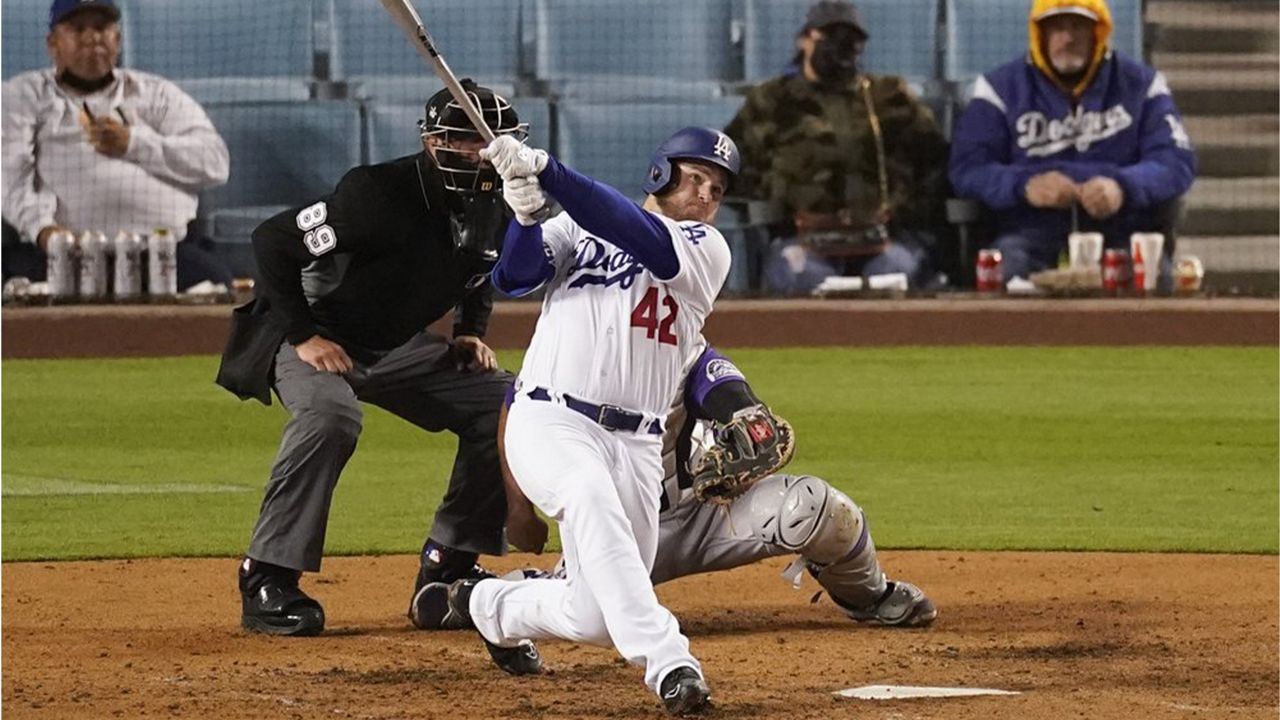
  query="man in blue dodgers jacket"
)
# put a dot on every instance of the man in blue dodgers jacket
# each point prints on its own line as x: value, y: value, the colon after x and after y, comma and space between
x: 1073, y: 136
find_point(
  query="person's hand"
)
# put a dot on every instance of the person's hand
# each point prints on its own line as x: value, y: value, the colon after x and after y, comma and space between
x: 324, y: 355
x: 109, y: 137
x: 525, y: 197
x: 512, y: 158
x: 1101, y: 197
x: 525, y: 530
x: 42, y: 238
x: 472, y: 354
x: 1051, y: 190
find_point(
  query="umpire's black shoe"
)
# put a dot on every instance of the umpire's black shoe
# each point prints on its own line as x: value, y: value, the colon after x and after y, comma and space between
x: 438, y: 605
x: 684, y: 692
x: 271, y: 602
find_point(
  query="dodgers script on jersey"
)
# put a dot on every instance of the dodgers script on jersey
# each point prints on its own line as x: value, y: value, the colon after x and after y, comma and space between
x: 610, y: 331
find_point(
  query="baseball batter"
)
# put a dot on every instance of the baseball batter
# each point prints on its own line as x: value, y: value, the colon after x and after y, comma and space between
x: 627, y: 291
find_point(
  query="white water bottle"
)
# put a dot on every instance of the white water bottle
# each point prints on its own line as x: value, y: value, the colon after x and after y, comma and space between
x: 93, y: 266
x: 162, y: 264
x: 61, y: 268
x: 127, y: 274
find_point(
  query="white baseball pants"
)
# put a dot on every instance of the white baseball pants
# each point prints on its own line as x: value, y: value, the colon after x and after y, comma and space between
x: 603, y: 489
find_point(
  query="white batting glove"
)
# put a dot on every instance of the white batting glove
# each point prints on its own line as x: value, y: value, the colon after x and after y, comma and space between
x: 524, y: 195
x: 512, y: 158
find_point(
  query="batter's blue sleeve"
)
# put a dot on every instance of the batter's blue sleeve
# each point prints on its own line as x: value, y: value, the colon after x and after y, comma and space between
x: 523, y: 265
x: 602, y: 210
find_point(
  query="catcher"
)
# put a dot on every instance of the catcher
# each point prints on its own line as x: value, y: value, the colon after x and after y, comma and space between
x: 725, y: 506
x: 725, y: 448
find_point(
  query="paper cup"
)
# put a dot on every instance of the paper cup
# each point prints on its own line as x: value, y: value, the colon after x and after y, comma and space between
x: 1085, y: 249
x: 1147, y: 247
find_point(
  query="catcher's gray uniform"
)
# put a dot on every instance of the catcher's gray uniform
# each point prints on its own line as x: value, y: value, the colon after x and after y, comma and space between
x: 778, y: 515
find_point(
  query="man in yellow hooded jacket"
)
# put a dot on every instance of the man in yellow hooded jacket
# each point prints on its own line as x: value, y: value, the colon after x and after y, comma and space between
x: 1073, y: 136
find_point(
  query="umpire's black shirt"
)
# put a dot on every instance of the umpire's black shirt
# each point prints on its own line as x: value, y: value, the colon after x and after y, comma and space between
x: 375, y: 262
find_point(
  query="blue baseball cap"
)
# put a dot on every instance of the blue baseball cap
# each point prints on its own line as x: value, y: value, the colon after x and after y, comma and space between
x: 63, y: 9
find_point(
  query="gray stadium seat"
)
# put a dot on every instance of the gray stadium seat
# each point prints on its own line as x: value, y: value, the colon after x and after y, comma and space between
x: 409, y: 89
x: 214, y: 90
x: 282, y: 154
x: 393, y: 128
x: 622, y: 49
x: 26, y: 23
x: 612, y: 142
x: 230, y: 46
x: 285, y: 152
x: 478, y: 38
x: 903, y: 36
x: 984, y: 34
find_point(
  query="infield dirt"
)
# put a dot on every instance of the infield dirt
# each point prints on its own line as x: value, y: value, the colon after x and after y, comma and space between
x: 1093, y: 635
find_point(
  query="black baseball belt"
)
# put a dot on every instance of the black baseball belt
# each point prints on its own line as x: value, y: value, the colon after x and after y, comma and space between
x: 609, y: 417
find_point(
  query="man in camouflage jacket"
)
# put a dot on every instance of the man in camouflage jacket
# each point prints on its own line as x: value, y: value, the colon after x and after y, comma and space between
x: 843, y: 155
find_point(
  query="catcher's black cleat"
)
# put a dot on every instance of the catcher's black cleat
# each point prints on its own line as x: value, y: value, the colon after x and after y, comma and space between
x: 438, y: 605
x: 684, y: 692
x: 272, y: 603
x: 434, y: 607
x: 901, y: 605
x: 441, y: 564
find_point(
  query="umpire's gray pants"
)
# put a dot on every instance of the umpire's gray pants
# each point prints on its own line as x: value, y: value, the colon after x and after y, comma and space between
x: 417, y: 381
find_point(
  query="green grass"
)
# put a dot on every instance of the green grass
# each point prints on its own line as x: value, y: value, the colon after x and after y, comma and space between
x: 1162, y: 449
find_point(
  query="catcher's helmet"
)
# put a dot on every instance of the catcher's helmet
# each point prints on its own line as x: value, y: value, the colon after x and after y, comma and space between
x: 447, y: 121
x: 691, y: 143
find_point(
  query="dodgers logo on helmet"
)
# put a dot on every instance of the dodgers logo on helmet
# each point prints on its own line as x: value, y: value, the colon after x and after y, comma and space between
x: 724, y: 148
x: 691, y: 143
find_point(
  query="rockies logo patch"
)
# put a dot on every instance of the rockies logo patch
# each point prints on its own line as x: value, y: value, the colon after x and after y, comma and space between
x: 720, y: 368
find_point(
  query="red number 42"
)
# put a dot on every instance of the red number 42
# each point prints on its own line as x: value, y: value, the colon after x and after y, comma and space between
x: 646, y: 316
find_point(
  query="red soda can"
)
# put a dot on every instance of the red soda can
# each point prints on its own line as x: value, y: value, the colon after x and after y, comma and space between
x: 1115, y: 270
x: 989, y: 275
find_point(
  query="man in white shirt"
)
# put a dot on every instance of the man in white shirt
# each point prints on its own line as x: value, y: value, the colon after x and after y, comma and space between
x: 90, y: 146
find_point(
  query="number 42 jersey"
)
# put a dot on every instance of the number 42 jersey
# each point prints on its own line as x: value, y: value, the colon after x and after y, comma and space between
x: 610, y: 331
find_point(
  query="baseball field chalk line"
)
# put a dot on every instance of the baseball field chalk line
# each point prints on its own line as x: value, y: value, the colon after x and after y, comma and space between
x: 34, y: 486
x: 900, y: 692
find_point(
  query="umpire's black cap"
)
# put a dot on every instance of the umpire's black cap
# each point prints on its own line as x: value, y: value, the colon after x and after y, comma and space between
x: 445, y: 114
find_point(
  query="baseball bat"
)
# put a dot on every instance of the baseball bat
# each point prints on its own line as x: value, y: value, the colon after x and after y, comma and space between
x: 410, y: 23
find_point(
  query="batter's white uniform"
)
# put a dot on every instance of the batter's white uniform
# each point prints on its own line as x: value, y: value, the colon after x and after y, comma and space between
x: 610, y: 333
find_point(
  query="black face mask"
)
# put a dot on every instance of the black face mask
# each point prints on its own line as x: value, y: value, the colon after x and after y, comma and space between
x: 835, y: 57
x: 478, y: 221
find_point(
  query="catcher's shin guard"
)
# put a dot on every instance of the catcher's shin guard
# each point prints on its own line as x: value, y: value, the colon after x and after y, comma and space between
x: 808, y: 516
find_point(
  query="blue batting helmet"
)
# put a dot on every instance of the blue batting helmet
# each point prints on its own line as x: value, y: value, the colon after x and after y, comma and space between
x: 691, y: 143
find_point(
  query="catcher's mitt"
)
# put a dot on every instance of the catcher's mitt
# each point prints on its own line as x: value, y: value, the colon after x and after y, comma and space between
x: 753, y: 445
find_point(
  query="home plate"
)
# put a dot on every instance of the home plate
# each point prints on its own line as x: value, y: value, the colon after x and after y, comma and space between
x: 898, y: 692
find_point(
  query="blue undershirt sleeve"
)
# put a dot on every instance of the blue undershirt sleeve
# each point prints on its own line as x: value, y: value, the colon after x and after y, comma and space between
x: 601, y: 210
x: 523, y: 265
